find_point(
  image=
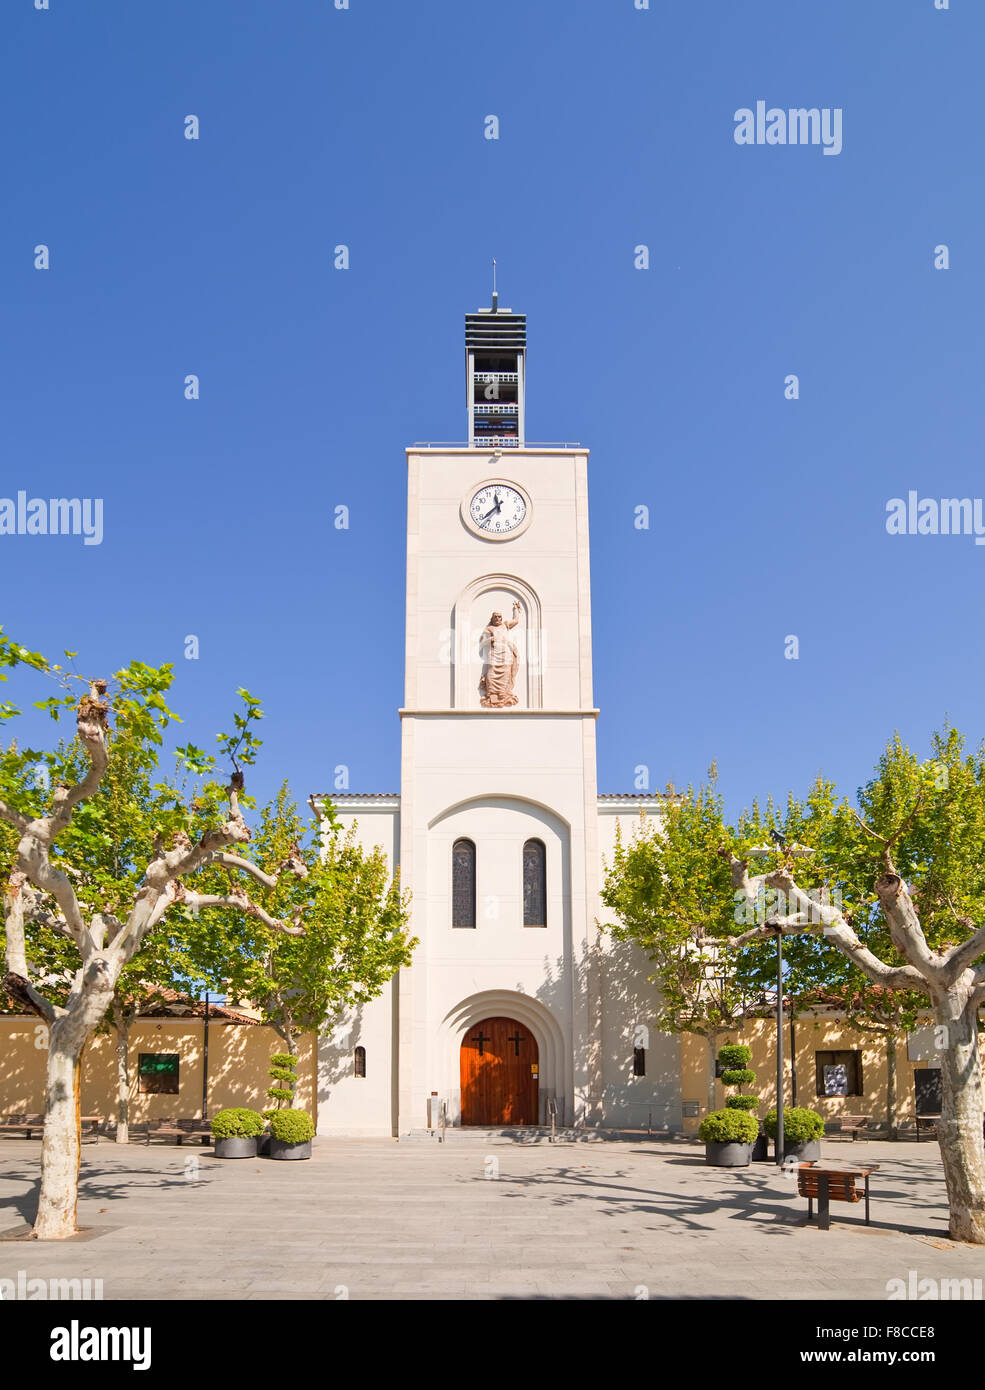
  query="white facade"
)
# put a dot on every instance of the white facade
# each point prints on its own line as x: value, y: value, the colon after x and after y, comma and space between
x: 500, y: 777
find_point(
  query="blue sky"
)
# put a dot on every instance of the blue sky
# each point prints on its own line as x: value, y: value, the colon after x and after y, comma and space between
x: 365, y: 127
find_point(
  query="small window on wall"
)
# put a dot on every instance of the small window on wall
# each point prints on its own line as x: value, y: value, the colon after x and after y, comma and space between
x: 463, y: 884
x: 158, y: 1073
x: 639, y: 1061
x: 534, y: 884
x: 838, y: 1073
x: 360, y: 1061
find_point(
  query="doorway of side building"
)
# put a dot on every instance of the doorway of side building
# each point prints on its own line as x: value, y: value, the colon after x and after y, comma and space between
x: 500, y: 1069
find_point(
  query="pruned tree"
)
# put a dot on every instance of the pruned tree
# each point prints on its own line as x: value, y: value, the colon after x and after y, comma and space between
x: 919, y: 930
x: 815, y: 972
x: 59, y: 887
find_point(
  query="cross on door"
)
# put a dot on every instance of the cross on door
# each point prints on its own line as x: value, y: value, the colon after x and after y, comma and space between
x: 516, y: 1040
x: 480, y: 1038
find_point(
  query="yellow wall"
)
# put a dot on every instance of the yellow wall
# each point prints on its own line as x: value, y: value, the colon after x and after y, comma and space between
x: 239, y: 1056
x: 810, y: 1036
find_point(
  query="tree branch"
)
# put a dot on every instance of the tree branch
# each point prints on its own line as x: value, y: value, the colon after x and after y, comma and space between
x: 239, y: 901
x: 823, y: 920
x: 23, y: 992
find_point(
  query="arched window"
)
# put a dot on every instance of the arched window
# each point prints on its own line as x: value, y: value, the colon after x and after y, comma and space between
x: 463, y: 884
x: 360, y: 1061
x: 534, y: 884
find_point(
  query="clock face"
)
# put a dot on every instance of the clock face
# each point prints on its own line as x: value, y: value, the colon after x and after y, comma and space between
x: 497, y: 510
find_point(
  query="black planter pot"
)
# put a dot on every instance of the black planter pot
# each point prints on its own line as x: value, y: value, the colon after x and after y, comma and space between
x: 761, y: 1149
x: 278, y: 1149
x: 807, y: 1152
x: 728, y: 1155
x: 235, y: 1148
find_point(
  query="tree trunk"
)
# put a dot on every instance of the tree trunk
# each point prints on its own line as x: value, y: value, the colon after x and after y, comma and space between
x: 960, y: 1130
x: 712, y: 1058
x: 891, y: 1118
x: 122, y: 1021
x: 292, y: 1048
x: 61, y: 1146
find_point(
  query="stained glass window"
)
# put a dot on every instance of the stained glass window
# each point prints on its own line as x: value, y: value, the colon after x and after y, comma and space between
x: 360, y: 1061
x: 463, y: 884
x: 534, y: 884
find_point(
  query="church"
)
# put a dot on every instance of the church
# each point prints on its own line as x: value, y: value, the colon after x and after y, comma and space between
x: 517, y: 1009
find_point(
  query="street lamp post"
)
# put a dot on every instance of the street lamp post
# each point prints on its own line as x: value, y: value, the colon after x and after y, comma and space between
x: 779, y: 1045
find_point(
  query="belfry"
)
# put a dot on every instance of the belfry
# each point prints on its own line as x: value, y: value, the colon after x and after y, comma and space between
x: 516, y: 1007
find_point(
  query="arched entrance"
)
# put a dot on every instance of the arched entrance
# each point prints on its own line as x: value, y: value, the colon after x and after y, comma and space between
x: 500, y: 1067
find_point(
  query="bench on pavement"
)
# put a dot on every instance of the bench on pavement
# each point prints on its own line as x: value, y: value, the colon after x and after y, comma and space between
x: 853, y: 1125
x: 823, y: 1184
x: 928, y: 1122
x: 177, y: 1130
x: 27, y: 1125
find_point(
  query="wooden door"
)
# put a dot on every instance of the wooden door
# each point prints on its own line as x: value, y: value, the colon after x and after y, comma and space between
x: 499, y: 1069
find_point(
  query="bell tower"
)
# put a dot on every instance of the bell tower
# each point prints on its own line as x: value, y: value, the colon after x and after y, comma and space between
x: 495, y: 351
x: 498, y: 797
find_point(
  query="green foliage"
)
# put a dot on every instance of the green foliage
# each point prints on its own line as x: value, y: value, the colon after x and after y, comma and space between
x: 355, y: 928
x: 799, y: 1125
x: 741, y: 1102
x: 292, y: 1126
x: 672, y: 893
x: 734, y: 1055
x: 739, y: 1076
x: 237, y: 1123
x: 283, y: 1068
x: 728, y: 1127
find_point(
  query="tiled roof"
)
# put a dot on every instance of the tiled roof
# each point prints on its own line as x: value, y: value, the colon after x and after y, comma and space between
x: 632, y: 796
x: 356, y: 796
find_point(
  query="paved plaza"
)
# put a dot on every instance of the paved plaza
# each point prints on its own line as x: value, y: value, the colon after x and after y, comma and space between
x: 479, y: 1218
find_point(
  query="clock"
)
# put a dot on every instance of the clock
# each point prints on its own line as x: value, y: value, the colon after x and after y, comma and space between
x: 496, y: 510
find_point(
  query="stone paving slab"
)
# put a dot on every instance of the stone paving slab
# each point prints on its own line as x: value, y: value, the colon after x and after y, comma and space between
x: 376, y: 1219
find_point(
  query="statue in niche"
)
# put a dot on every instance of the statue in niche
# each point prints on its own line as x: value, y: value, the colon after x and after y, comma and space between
x: 500, y: 662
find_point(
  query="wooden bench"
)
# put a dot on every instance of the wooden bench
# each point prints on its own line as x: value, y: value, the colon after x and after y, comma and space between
x: 853, y: 1125
x: 196, y: 1129
x: 824, y: 1185
x: 27, y: 1125
x: 178, y: 1130
x: 926, y: 1122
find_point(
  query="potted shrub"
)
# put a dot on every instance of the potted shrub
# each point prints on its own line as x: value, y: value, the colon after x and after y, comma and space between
x: 283, y: 1072
x: 802, y: 1130
x: 728, y: 1137
x: 291, y: 1133
x: 733, y: 1061
x: 235, y: 1133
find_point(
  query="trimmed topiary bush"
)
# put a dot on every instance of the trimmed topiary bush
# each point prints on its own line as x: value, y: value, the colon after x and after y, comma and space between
x: 800, y: 1126
x: 728, y: 1127
x: 292, y: 1126
x: 738, y: 1076
x: 734, y: 1055
x: 741, y: 1102
x: 282, y: 1068
x: 237, y: 1123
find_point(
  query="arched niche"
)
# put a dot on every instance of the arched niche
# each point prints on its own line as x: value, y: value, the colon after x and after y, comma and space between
x: 470, y: 617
